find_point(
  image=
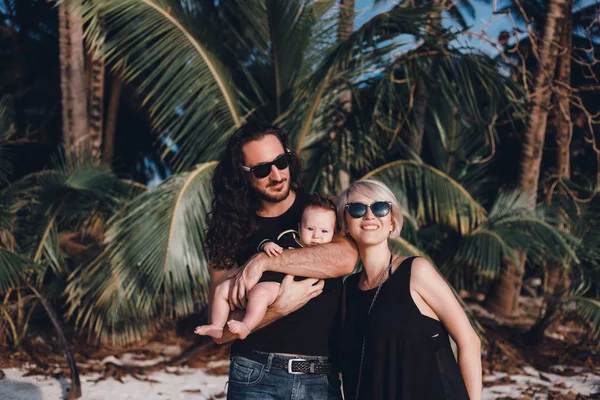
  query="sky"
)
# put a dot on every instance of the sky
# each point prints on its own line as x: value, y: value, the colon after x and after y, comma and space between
x: 484, y: 21
x: 493, y: 24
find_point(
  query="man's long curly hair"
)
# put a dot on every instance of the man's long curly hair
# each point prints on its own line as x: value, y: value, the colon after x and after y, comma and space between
x: 232, y: 220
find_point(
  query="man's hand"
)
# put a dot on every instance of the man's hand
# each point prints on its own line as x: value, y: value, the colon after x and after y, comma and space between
x: 293, y: 295
x: 247, y: 277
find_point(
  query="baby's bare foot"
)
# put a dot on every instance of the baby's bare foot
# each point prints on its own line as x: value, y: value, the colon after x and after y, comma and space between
x: 209, y: 330
x: 239, y: 328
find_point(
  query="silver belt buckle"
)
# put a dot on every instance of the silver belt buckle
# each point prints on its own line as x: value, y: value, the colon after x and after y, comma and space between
x: 290, y: 366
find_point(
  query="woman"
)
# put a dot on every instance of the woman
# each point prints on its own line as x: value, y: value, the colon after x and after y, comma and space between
x: 398, y: 313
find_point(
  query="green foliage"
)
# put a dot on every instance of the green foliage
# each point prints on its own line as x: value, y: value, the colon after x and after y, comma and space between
x: 153, y: 265
x: 589, y: 310
x: 36, y: 211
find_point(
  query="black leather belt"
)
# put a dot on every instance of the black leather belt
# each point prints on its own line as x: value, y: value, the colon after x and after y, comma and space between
x: 296, y: 365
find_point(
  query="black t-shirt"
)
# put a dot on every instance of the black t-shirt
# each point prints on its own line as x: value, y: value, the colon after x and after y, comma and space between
x: 289, y: 239
x: 307, y: 331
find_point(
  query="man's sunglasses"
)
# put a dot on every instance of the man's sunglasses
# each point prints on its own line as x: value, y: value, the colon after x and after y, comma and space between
x: 263, y: 170
x: 359, y: 210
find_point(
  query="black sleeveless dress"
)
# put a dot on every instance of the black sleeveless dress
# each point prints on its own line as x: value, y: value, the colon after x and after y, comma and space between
x: 407, y: 355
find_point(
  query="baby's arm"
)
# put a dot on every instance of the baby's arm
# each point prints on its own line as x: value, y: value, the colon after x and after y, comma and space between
x: 272, y: 249
x: 259, y: 298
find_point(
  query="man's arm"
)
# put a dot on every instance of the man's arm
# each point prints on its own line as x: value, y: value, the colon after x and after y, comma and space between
x: 329, y: 260
x: 292, y: 296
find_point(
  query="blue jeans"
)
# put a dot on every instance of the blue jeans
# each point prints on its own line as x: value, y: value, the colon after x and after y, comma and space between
x: 252, y: 380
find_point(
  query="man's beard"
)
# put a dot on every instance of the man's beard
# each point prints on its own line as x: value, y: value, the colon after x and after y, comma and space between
x: 277, y: 197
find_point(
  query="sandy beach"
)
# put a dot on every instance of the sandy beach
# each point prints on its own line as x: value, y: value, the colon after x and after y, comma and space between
x: 173, y: 383
x: 195, y: 383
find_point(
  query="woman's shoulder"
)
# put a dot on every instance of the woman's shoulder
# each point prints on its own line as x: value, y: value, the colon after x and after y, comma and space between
x: 404, y: 263
x: 424, y: 274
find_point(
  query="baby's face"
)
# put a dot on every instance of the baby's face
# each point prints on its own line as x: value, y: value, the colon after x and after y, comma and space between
x: 317, y: 226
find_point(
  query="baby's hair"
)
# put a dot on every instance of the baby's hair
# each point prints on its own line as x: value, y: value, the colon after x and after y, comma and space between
x: 316, y: 200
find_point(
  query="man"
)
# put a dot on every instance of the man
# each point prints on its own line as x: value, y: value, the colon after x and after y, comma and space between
x: 256, y: 197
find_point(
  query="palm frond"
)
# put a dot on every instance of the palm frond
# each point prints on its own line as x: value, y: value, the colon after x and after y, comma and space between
x: 7, y: 217
x: 97, y: 302
x: 466, y: 97
x: 53, y: 200
x: 538, y: 238
x: 187, y: 90
x: 340, y: 145
x: 12, y: 268
x: 433, y: 197
x: 360, y: 52
x: 6, y: 129
x: 589, y: 310
x: 510, y: 226
x: 510, y: 203
x: 484, y: 251
x: 76, y: 182
x: 155, y: 258
x: 275, y: 37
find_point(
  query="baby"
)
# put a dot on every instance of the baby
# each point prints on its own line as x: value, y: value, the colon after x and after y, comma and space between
x: 317, y: 226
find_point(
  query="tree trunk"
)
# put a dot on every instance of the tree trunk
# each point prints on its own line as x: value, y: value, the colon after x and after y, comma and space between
x: 415, y: 138
x: 346, y: 19
x: 72, y: 75
x: 421, y: 101
x: 564, y: 130
x: 557, y: 279
x: 108, y: 152
x: 564, y: 127
x: 538, y: 117
x: 345, y: 29
x: 504, y: 299
x: 75, y: 390
x: 511, y: 279
x: 96, y: 99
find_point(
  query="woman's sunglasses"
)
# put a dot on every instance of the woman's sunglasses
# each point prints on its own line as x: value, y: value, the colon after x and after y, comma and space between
x: 379, y: 209
x: 263, y: 170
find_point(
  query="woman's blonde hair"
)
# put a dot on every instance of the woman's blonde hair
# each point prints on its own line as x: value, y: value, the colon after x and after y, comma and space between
x: 376, y: 191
